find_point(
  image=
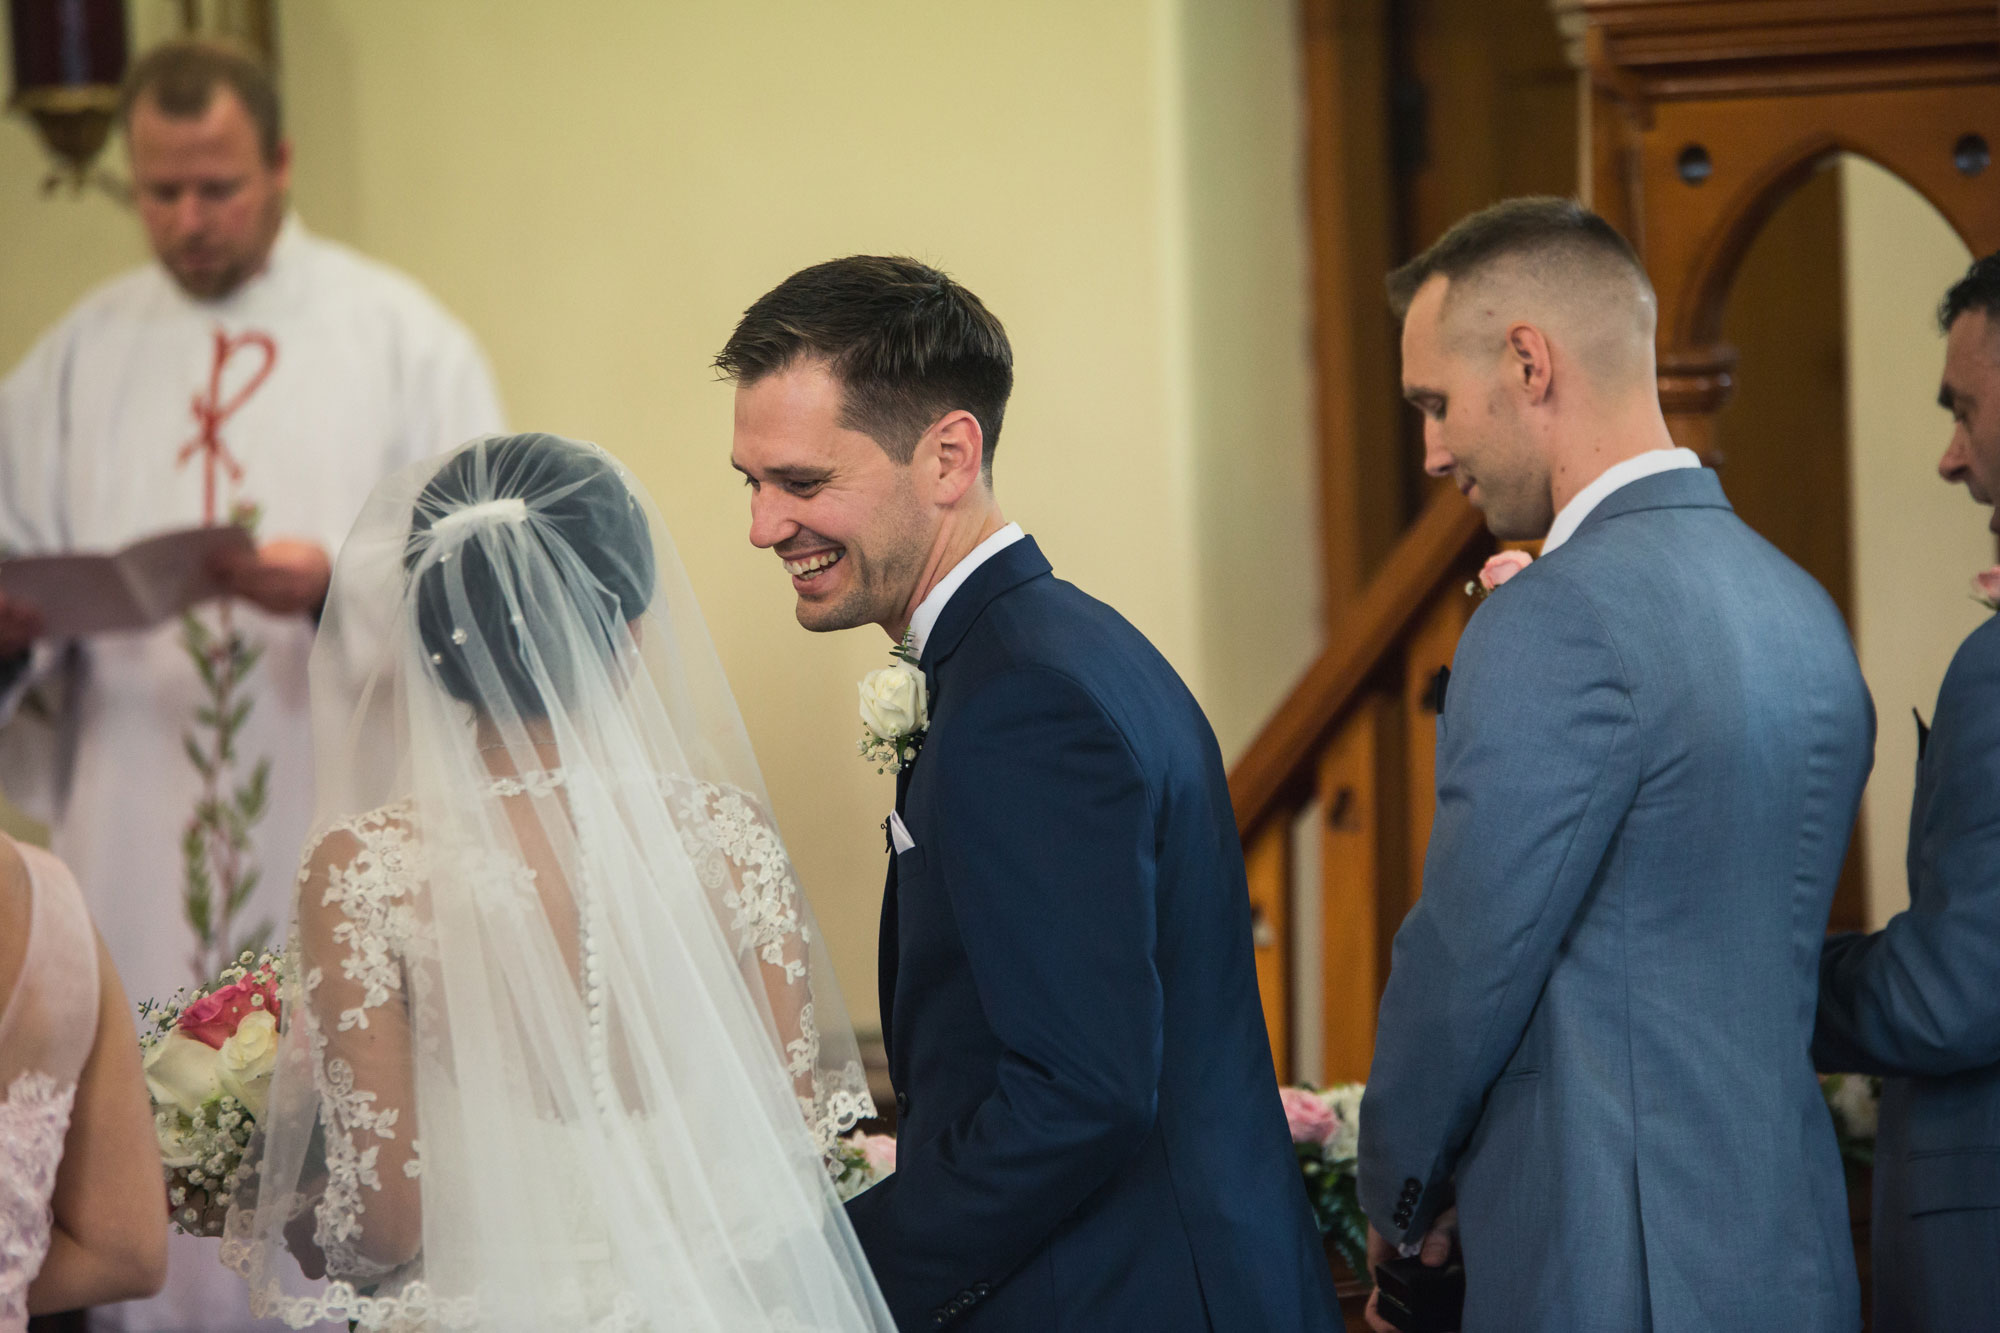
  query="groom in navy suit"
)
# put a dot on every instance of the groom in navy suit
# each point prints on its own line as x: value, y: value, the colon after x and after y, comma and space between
x: 1089, y: 1128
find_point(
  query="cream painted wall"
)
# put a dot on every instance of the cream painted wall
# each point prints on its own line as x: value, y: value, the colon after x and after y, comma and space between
x: 598, y: 191
x: 1917, y: 541
x: 1250, y: 405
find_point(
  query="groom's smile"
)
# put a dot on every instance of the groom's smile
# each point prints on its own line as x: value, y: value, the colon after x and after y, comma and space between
x: 806, y: 566
x: 838, y: 512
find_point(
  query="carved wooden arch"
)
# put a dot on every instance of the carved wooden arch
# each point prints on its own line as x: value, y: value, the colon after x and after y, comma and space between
x: 1755, y: 95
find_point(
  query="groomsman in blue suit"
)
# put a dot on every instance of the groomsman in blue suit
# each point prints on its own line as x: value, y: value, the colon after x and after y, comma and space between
x: 1592, y: 1058
x: 1919, y: 1001
x: 1089, y: 1131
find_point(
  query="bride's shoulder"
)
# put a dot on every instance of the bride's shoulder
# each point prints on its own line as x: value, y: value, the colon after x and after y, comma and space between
x: 384, y: 832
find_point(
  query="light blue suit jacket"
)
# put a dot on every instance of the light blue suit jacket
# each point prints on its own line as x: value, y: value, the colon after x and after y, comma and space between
x: 1920, y: 1001
x: 1596, y: 1030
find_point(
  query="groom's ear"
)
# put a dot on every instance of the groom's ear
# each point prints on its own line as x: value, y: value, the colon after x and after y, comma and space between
x: 952, y: 451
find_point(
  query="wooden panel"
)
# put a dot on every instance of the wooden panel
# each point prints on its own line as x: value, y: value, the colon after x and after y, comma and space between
x: 1432, y: 642
x: 1350, y: 204
x: 1782, y: 439
x: 1267, y: 860
x: 1761, y: 149
x: 1493, y: 102
x: 1781, y: 442
x: 1278, y: 766
x: 1360, y: 791
x: 1722, y: 48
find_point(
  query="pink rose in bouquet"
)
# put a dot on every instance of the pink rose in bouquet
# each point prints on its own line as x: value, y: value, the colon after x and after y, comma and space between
x: 1986, y: 587
x: 861, y: 1160
x: 879, y: 1150
x: 209, y: 1057
x: 212, y: 1019
x: 1310, y: 1118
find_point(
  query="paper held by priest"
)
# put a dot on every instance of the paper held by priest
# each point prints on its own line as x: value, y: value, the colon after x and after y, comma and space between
x: 135, y: 588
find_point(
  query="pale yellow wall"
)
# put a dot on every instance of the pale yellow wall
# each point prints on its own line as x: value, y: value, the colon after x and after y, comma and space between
x: 598, y: 190
x: 1251, y: 400
x: 1917, y: 541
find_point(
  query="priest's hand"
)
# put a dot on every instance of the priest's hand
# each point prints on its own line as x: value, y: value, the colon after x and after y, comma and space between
x: 20, y: 626
x: 1439, y: 1242
x: 286, y: 577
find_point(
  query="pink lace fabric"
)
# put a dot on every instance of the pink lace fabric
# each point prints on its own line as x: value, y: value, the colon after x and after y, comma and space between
x: 46, y: 1032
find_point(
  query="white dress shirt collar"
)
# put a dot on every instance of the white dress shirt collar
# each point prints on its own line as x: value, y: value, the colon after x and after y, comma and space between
x: 1618, y: 475
x: 925, y: 618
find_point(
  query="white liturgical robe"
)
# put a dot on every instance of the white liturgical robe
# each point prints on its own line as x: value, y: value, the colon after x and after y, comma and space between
x: 103, y: 440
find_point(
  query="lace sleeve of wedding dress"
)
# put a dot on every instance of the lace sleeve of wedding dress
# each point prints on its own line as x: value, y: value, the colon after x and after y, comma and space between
x: 357, y: 920
x: 562, y: 1047
x: 742, y: 862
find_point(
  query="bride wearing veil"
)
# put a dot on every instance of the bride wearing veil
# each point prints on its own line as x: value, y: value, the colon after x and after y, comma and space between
x: 561, y: 1047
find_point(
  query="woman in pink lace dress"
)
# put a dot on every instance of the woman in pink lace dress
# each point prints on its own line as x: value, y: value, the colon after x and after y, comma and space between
x: 83, y: 1216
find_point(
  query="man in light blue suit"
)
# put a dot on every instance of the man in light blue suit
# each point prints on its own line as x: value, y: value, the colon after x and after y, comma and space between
x: 1592, y: 1057
x: 1920, y: 1000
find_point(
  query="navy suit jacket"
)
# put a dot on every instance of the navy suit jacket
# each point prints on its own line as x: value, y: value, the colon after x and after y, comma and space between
x: 1919, y: 1001
x: 1090, y: 1135
x: 1598, y: 1019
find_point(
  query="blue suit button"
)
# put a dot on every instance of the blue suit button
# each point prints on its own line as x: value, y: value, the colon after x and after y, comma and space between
x: 902, y: 1104
x: 982, y: 1290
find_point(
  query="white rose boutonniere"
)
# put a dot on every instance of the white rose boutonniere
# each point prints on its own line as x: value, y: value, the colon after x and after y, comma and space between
x: 895, y: 712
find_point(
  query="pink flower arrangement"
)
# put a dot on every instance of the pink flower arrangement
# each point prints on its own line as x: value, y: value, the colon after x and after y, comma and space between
x: 861, y: 1160
x: 209, y: 1056
x: 879, y: 1150
x: 1306, y: 1112
x: 213, y: 1019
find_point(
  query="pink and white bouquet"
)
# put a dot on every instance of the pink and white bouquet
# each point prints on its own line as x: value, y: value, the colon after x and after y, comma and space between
x: 1326, y: 1133
x: 208, y: 1056
x: 861, y: 1160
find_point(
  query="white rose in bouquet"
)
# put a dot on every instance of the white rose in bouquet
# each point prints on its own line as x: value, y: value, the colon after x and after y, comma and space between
x: 244, y: 1063
x: 892, y: 701
x: 1344, y: 1100
x: 180, y: 1072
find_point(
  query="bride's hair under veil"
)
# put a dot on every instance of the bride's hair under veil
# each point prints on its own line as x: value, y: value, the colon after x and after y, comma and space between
x: 561, y: 1045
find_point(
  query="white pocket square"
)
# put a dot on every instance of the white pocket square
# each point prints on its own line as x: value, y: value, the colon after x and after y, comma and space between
x: 899, y: 837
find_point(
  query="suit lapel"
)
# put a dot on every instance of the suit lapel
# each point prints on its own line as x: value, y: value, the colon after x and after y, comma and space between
x: 1009, y: 569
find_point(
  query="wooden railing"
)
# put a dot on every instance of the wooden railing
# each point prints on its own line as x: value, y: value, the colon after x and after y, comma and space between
x: 1353, y: 745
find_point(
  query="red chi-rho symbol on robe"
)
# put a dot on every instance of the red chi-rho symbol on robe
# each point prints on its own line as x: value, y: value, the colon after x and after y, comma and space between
x: 211, y: 410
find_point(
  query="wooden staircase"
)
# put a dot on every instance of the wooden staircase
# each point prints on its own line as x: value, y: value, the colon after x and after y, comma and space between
x: 1353, y: 747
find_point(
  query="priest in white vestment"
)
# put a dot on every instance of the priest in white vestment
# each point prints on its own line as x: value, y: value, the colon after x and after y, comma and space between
x: 254, y: 364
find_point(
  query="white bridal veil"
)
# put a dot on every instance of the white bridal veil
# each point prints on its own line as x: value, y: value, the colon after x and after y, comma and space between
x: 561, y: 1045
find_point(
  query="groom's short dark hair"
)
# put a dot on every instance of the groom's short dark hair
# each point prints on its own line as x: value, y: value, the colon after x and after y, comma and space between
x: 906, y: 343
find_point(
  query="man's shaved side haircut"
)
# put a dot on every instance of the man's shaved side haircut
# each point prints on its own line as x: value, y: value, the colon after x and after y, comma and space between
x: 1551, y: 238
